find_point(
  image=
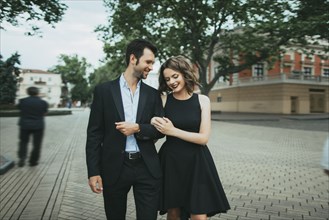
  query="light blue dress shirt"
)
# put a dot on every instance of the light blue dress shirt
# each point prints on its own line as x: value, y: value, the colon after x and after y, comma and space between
x: 130, y: 105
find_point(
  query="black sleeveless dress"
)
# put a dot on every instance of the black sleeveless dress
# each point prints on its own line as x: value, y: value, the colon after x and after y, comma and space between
x: 190, y: 179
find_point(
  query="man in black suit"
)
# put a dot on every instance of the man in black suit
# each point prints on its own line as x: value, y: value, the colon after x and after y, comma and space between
x: 31, y: 122
x: 120, y: 146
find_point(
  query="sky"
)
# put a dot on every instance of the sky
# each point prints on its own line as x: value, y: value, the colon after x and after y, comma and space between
x: 73, y: 35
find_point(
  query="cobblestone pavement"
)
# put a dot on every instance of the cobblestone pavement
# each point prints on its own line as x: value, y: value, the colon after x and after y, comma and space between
x: 268, y: 172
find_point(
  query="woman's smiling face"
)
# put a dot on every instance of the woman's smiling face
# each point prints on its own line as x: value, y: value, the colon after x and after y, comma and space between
x: 175, y: 80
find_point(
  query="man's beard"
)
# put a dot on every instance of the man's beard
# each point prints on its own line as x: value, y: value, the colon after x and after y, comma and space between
x: 140, y: 75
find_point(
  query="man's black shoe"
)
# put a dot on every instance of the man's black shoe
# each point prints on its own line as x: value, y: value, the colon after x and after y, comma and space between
x: 33, y: 164
x: 21, y: 163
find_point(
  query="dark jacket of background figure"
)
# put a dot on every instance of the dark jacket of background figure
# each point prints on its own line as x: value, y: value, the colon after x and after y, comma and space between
x: 32, y: 112
x: 106, y: 145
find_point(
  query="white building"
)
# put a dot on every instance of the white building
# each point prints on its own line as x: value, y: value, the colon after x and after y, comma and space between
x: 152, y: 80
x: 153, y: 77
x: 49, y: 84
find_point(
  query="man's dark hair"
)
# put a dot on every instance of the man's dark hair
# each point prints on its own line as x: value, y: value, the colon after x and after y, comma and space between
x: 137, y: 47
x: 32, y: 91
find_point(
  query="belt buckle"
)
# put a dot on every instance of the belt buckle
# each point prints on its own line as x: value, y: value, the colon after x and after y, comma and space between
x: 130, y: 156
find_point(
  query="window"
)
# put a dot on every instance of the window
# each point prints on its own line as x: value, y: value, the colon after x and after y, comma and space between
x: 308, y: 71
x: 325, y: 72
x: 258, y: 69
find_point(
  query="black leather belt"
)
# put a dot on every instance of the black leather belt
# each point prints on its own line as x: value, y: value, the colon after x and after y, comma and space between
x: 133, y: 155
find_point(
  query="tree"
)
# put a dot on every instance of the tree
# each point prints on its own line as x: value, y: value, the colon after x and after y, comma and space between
x: 8, y: 78
x: 14, y: 11
x: 236, y: 34
x: 108, y: 71
x: 313, y: 18
x: 81, y: 92
x: 74, y: 73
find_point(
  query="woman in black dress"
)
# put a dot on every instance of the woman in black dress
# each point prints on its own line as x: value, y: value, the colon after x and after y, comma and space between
x: 190, y: 180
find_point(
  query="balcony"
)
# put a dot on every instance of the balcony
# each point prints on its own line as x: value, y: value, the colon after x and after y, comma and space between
x: 40, y: 83
x: 282, y: 78
x: 275, y: 79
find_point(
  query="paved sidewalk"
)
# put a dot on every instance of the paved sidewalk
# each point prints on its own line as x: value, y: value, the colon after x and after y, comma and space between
x: 270, y: 169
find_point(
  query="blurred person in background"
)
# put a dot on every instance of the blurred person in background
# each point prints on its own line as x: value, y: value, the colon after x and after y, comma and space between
x: 31, y: 122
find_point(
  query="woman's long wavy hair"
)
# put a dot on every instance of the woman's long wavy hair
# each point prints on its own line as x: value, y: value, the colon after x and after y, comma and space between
x: 183, y: 66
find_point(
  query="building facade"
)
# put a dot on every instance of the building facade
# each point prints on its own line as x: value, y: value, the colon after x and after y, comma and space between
x: 152, y: 79
x: 297, y: 83
x: 49, y: 84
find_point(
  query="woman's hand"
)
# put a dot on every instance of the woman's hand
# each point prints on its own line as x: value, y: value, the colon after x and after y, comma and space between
x: 164, y: 125
x: 155, y: 120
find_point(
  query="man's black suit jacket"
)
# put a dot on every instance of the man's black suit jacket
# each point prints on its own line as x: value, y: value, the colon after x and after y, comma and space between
x: 105, y: 146
x: 32, y: 112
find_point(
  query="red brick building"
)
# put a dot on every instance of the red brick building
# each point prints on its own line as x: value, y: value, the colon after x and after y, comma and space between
x: 296, y: 83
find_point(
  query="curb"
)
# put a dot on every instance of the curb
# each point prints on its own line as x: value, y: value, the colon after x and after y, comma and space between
x: 5, y: 164
x: 244, y: 119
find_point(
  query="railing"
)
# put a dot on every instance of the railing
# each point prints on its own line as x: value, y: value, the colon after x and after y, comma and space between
x: 282, y: 78
x: 276, y: 78
x: 40, y: 83
x: 309, y: 77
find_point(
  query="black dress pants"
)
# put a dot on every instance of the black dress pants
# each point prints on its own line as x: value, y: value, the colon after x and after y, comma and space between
x: 145, y: 188
x: 24, y: 137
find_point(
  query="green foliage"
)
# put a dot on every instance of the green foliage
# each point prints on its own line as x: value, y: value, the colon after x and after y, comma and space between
x: 8, y: 82
x: 108, y: 71
x: 313, y: 18
x: 81, y: 92
x: 74, y: 72
x: 29, y: 11
x: 72, y: 68
x: 247, y: 31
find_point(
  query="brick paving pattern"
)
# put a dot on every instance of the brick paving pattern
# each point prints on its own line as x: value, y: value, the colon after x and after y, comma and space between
x: 268, y: 171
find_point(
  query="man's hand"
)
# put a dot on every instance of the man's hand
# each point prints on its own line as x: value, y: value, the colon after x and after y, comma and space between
x: 96, y: 184
x: 127, y: 128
